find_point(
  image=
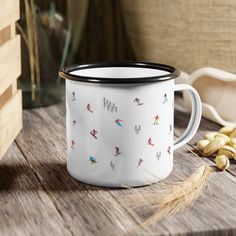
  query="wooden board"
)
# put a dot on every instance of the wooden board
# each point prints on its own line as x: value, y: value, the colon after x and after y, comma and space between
x: 9, y: 13
x: 5, y: 35
x: 10, y: 62
x: 10, y: 119
x: 81, y: 209
x: 28, y: 210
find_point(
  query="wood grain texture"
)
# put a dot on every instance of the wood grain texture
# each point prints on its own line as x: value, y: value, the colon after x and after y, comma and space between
x: 26, y: 209
x: 10, y: 62
x: 88, y: 210
x: 5, y: 34
x: 10, y: 12
x: 10, y: 121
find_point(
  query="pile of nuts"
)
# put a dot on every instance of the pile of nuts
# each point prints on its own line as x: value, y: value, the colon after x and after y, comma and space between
x: 221, y: 145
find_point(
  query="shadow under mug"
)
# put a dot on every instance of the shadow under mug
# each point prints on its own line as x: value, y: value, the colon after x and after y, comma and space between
x: 120, y: 122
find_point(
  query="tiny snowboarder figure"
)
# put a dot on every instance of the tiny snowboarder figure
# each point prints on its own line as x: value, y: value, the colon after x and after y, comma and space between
x: 117, y: 151
x: 170, y: 129
x: 165, y: 99
x: 89, y: 108
x: 94, y: 133
x: 156, y: 119
x: 138, y: 102
x: 92, y: 160
x: 150, y: 142
x: 74, y: 122
x: 73, y: 96
x: 140, y: 161
x: 119, y: 122
x: 112, y: 165
x: 168, y: 149
x: 72, y: 144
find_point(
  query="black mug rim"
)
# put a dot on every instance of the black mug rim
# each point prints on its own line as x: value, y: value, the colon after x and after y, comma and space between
x: 65, y: 72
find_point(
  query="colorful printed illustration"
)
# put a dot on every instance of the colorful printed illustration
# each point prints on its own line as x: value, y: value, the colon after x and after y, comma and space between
x: 170, y: 129
x: 94, y: 133
x: 140, y: 161
x: 112, y: 165
x: 117, y: 151
x: 74, y: 122
x: 110, y: 106
x: 137, y: 129
x: 158, y: 155
x: 168, y: 150
x: 138, y: 102
x: 89, y: 108
x: 73, y: 96
x: 73, y: 144
x: 92, y: 160
x: 119, y: 122
x: 150, y: 142
x: 156, y: 120
x: 165, y: 99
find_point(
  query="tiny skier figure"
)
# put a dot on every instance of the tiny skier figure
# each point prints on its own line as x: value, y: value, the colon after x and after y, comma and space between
x: 72, y: 144
x: 156, y: 119
x: 138, y: 102
x: 137, y: 129
x: 140, y: 161
x: 92, y: 160
x: 170, y: 129
x: 168, y: 150
x: 117, y: 151
x: 89, y: 108
x: 158, y: 155
x: 112, y: 165
x: 150, y: 142
x: 119, y: 122
x: 73, y: 96
x: 94, y: 133
x: 165, y: 98
x: 74, y: 122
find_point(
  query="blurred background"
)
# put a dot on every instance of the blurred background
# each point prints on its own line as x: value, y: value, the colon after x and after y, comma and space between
x: 57, y: 33
x: 186, y: 34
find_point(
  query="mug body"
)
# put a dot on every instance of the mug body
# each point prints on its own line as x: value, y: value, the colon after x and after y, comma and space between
x: 119, y: 134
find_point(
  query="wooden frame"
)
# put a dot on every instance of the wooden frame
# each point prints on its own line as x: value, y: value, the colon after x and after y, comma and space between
x: 10, y: 70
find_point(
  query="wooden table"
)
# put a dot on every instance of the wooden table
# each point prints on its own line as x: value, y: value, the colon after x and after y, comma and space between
x: 38, y: 197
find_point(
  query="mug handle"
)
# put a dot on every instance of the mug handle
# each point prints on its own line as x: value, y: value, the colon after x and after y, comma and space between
x: 195, y: 115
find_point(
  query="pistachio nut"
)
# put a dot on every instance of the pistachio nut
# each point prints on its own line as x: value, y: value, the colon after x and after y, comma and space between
x: 222, y: 162
x: 202, y: 144
x: 233, y: 134
x: 210, y: 136
x: 225, y: 137
x: 227, y: 130
x: 227, y: 150
x: 233, y: 141
x: 213, y: 146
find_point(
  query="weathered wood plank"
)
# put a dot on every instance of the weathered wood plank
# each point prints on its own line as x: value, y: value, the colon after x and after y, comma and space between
x: 10, y: 118
x: 90, y: 210
x: 10, y: 12
x: 26, y: 209
x: 10, y: 62
x: 5, y: 34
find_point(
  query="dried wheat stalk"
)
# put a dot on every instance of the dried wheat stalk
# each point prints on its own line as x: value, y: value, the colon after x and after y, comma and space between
x: 174, y: 197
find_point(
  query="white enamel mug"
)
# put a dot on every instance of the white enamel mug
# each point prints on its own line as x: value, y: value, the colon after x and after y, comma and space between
x: 119, y: 121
